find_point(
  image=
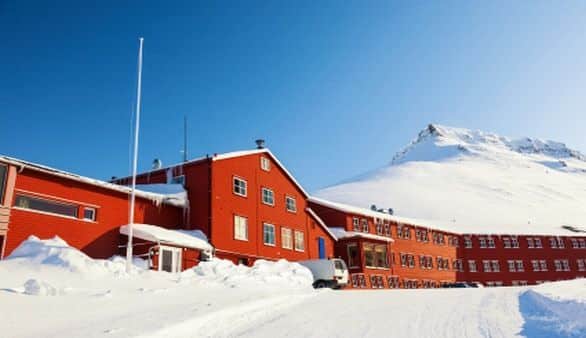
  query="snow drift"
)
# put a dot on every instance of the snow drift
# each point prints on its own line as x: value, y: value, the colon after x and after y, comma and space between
x: 56, y: 253
x: 475, y: 182
x: 263, y: 274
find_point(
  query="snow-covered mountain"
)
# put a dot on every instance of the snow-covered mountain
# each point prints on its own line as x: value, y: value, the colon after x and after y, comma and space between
x: 476, y: 182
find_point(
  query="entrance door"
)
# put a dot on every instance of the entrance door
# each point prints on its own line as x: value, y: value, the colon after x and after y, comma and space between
x: 169, y: 259
x: 321, y: 245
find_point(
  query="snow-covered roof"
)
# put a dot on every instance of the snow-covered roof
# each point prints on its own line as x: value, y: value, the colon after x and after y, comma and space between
x: 184, y: 238
x: 371, y: 213
x: 321, y: 223
x: 340, y: 233
x: 156, y: 197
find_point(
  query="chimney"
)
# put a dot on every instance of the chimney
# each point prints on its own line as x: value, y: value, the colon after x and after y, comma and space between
x: 260, y: 143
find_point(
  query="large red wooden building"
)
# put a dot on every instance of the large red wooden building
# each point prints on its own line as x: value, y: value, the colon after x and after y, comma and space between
x: 248, y: 206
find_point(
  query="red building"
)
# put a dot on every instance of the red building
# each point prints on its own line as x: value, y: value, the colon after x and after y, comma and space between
x: 87, y: 213
x: 422, y: 256
x: 248, y: 205
x: 383, y: 251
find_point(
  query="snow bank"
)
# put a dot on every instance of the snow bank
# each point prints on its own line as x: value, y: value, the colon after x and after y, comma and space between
x: 547, y: 317
x: 57, y: 253
x: 280, y: 274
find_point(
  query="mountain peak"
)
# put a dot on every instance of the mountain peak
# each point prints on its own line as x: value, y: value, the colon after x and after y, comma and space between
x: 437, y: 142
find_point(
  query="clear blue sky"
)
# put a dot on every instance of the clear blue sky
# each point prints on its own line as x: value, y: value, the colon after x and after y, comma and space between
x: 335, y: 89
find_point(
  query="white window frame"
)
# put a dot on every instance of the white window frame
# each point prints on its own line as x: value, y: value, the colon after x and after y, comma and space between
x: 543, y: 264
x: 237, y: 235
x: 269, y: 192
x: 364, y: 225
x: 355, y: 224
x: 93, y: 211
x: 287, y: 199
x: 472, y: 266
x: 520, y: 266
x: 486, y: 266
x: 265, y: 226
x: 289, y: 232
x: 467, y: 243
x: 265, y: 163
x: 512, y: 266
x: 538, y: 243
x: 296, y: 241
x: 238, y: 193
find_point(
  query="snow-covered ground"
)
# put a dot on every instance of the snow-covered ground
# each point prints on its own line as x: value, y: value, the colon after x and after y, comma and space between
x: 474, y: 182
x: 48, y: 289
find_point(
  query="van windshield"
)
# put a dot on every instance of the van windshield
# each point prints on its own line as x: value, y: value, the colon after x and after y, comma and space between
x: 339, y: 265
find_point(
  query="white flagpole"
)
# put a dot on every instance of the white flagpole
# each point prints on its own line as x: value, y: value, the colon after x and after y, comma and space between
x: 135, y: 160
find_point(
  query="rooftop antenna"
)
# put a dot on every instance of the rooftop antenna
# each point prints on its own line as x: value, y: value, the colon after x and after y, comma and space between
x: 135, y: 160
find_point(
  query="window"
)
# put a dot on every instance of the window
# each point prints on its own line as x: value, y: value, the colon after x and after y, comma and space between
x: 369, y: 255
x: 364, y: 225
x: 512, y: 266
x: 530, y: 243
x: 387, y: 229
x: 482, y: 242
x: 582, y: 243
x: 558, y: 265
x: 403, y: 259
x: 39, y: 204
x: 520, y: 266
x: 515, y: 242
x: 299, y: 241
x: 353, y: 255
x: 290, y: 204
x: 380, y: 254
x: 379, y: 226
x: 472, y: 266
x: 2, y: 183
x: 543, y: 264
x: 240, y: 228
x: 535, y: 264
x: 574, y: 243
x: 495, y: 266
x: 581, y: 264
x: 89, y: 214
x: 561, y: 243
x: 538, y: 243
x: 565, y: 265
x: 268, y: 196
x: 286, y: 238
x: 553, y: 243
x: 268, y: 231
x: 506, y: 242
x: 491, y: 243
x: 356, y: 224
x: 486, y: 265
x: 265, y: 164
x: 467, y: 242
x: 239, y: 186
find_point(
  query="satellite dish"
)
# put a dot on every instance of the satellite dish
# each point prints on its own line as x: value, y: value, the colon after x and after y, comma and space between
x: 157, y: 164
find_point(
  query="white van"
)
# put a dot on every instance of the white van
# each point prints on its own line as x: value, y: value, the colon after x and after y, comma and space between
x: 327, y: 273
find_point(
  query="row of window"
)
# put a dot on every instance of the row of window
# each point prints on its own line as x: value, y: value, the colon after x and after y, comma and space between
x: 240, y: 188
x: 383, y: 228
x: 512, y: 242
x: 518, y: 265
x: 290, y: 239
x: 54, y: 207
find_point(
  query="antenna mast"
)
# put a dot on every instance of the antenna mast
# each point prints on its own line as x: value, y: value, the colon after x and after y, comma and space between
x: 135, y: 160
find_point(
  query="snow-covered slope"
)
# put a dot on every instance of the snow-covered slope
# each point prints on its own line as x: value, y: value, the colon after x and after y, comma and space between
x: 476, y: 182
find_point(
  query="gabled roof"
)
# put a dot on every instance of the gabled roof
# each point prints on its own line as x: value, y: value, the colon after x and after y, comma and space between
x: 158, y: 198
x: 234, y: 154
x: 321, y: 223
x: 261, y: 151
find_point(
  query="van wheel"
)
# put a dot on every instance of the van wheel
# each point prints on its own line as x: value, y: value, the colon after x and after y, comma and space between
x: 320, y: 284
